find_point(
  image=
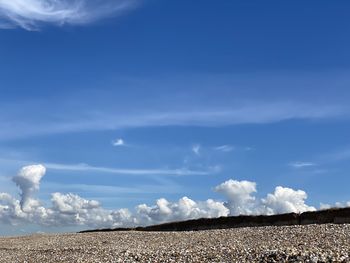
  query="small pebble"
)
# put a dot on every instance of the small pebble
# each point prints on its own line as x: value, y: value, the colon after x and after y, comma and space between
x: 310, y: 243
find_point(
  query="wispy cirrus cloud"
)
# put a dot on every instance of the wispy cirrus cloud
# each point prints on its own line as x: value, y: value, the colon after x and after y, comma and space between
x: 298, y: 165
x: 31, y: 14
x: 225, y: 148
x: 83, y: 167
x: 89, y: 168
x: 109, y: 191
x: 111, y: 119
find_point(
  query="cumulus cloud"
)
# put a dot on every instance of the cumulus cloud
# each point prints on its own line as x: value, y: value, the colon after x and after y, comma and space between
x: 286, y: 200
x: 28, y: 180
x: 239, y: 195
x: 30, y: 14
x: 241, y: 199
x: 183, y: 209
x: 10, y: 209
x: 73, y: 210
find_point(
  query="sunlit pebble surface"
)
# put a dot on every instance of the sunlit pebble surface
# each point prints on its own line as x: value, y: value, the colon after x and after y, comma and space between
x: 312, y: 243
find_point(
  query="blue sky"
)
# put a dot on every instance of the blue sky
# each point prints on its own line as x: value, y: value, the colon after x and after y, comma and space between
x: 196, y: 92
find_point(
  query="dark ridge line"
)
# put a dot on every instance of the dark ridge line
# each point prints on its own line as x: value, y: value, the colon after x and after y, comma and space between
x: 333, y: 215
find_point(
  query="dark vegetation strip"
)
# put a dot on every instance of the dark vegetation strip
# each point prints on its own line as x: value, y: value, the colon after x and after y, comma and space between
x: 333, y: 215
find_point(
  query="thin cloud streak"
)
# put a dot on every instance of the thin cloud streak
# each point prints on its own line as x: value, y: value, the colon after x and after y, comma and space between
x: 113, y: 190
x: 298, y: 165
x: 31, y: 14
x: 225, y: 148
x: 250, y: 114
x: 82, y: 167
x: 89, y: 168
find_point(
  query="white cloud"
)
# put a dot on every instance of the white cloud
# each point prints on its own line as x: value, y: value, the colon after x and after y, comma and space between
x: 225, y: 148
x: 152, y: 172
x: 286, y: 200
x: 109, y: 190
x: 196, y: 149
x: 241, y: 200
x: 65, y: 210
x: 185, y: 208
x: 257, y: 113
x: 10, y: 209
x: 337, y: 205
x: 239, y: 195
x: 118, y: 142
x: 73, y: 210
x: 70, y: 209
x: 325, y: 206
x: 83, y: 167
x: 301, y: 164
x: 28, y: 180
x: 30, y: 14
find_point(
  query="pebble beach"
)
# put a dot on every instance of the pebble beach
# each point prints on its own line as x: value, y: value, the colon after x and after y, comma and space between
x: 309, y: 243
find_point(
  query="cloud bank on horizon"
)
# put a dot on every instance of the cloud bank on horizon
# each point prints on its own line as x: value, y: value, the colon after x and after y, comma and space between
x: 73, y: 210
x: 31, y: 14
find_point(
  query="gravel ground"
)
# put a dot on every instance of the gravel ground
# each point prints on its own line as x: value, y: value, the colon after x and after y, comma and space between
x: 312, y: 243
